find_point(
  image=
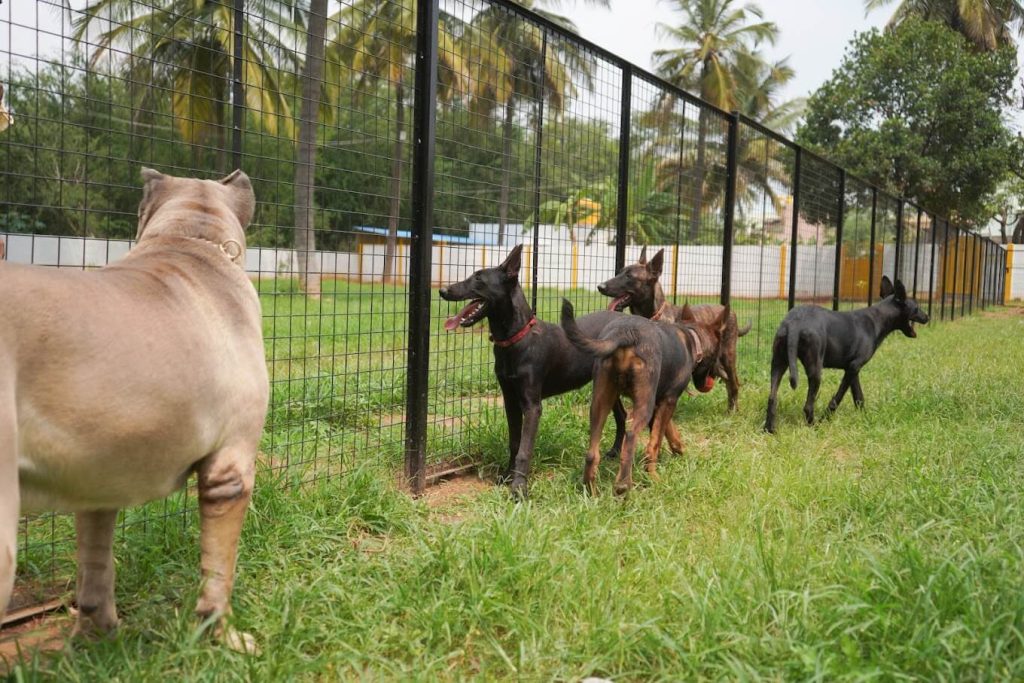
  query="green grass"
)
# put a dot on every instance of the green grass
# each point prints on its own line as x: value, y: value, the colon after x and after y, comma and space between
x: 883, y: 544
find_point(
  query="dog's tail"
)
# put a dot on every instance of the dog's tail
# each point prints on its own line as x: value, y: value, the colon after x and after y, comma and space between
x: 743, y: 330
x: 602, y: 348
x: 792, y: 343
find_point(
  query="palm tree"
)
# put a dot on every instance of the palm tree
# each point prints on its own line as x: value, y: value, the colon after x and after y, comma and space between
x: 186, y: 48
x: 760, y: 162
x: 514, y: 65
x: 716, y: 37
x: 988, y: 24
x: 305, y: 167
x: 377, y: 40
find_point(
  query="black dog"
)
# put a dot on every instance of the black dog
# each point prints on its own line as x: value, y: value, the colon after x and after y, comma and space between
x: 532, y: 359
x: 821, y: 338
x: 651, y: 363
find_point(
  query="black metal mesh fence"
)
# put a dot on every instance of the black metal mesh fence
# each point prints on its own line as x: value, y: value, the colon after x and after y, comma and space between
x: 541, y: 139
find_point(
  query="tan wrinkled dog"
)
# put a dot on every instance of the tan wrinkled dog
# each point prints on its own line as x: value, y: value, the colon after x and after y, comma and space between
x: 117, y: 384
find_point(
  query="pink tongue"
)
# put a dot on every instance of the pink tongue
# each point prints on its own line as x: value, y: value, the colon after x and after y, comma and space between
x: 615, y: 302
x: 456, y: 320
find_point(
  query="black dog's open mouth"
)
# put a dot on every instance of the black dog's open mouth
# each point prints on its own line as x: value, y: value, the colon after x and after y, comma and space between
x: 618, y: 303
x: 911, y: 332
x: 470, y: 314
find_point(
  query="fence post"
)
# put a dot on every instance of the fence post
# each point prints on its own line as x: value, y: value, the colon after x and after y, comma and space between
x: 732, y: 150
x: 840, y: 211
x: 972, y: 251
x: 871, y: 248
x: 424, y: 120
x: 956, y: 269
x: 237, y: 84
x: 794, y: 228
x: 917, y: 250
x: 931, y: 263
x: 625, y: 124
x: 538, y: 168
x: 899, y: 240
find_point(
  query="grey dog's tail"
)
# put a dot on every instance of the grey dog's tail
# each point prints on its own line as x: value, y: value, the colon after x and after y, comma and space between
x: 792, y: 342
x: 602, y: 348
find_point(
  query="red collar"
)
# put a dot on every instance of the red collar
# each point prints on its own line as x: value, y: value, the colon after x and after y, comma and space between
x: 505, y: 343
x: 661, y: 310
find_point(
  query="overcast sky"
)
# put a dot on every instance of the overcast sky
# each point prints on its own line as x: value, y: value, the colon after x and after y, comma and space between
x: 812, y: 33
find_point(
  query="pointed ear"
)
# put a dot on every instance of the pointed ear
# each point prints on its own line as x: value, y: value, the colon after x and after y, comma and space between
x: 643, y: 256
x: 513, y: 261
x: 243, y: 201
x: 900, y: 291
x: 723, y: 319
x: 654, y: 267
x: 152, y: 182
x: 886, y: 286
x: 687, y: 313
x: 151, y: 175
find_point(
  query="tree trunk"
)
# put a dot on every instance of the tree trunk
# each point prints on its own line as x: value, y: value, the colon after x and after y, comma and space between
x: 312, y: 74
x: 1018, y: 232
x: 396, y: 183
x: 506, y: 171
x: 698, y: 200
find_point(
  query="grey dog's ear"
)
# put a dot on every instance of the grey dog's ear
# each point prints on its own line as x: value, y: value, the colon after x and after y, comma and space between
x: 243, y: 200
x: 152, y: 195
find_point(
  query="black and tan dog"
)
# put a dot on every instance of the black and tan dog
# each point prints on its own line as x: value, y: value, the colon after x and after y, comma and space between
x: 651, y: 363
x: 637, y: 287
x: 846, y: 340
x: 532, y: 359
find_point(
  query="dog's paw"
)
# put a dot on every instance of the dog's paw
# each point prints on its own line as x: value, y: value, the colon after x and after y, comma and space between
x: 239, y: 641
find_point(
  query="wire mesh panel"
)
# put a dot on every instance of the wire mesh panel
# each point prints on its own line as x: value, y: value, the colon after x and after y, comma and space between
x: 816, y: 225
x: 887, y: 218
x: 922, y: 254
x: 98, y: 95
x: 762, y: 240
x: 542, y: 140
x: 856, y: 276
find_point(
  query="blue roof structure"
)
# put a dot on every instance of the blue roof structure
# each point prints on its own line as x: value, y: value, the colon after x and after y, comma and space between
x: 407, y: 235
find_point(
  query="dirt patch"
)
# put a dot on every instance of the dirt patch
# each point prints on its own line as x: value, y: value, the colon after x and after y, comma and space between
x: 19, y: 643
x: 448, y: 499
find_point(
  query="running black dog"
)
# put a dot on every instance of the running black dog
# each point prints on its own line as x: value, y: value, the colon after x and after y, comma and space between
x: 821, y: 338
x: 651, y: 363
x: 532, y: 359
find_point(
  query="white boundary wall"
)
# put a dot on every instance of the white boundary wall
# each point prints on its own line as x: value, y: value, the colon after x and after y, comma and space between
x: 696, y: 270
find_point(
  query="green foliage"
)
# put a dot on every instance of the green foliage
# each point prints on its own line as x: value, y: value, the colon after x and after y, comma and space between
x: 916, y: 110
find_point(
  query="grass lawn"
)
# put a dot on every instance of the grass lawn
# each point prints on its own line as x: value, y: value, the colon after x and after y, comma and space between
x: 885, y: 543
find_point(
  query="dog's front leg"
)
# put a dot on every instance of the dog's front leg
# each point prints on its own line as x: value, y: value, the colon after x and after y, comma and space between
x: 514, y: 418
x: 675, y: 442
x: 619, y: 415
x: 662, y: 422
x: 10, y: 505
x: 531, y: 410
x: 225, y: 488
x: 844, y: 384
x: 858, y: 393
x: 97, y: 614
